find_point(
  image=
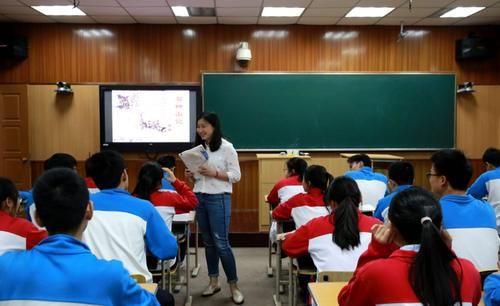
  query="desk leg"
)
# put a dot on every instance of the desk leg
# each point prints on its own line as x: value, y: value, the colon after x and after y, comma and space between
x: 291, y: 297
x: 196, y: 268
x: 188, y: 288
x: 277, y: 300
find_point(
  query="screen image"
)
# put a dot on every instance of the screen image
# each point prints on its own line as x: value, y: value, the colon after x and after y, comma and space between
x: 148, y: 118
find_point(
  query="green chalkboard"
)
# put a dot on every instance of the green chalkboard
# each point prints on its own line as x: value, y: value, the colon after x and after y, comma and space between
x: 333, y: 111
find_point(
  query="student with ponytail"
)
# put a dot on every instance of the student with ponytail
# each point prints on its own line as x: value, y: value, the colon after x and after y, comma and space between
x: 334, y: 241
x: 410, y: 262
x: 303, y: 207
x: 291, y: 184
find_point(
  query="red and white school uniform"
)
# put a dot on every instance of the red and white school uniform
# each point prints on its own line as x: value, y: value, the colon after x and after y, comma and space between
x: 381, y: 278
x: 315, y: 238
x: 170, y: 202
x: 284, y: 189
x: 302, y: 207
x: 17, y: 234
x: 92, y: 187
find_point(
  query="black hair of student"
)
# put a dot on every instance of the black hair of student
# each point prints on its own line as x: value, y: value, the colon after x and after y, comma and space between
x: 297, y: 166
x: 367, y: 161
x: 148, y: 180
x: 402, y: 172
x: 345, y: 192
x: 431, y: 275
x: 454, y: 166
x: 492, y: 156
x: 216, y: 140
x: 106, y: 169
x: 167, y: 161
x: 61, y: 198
x: 8, y: 190
x: 59, y: 160
x: 317, y: 176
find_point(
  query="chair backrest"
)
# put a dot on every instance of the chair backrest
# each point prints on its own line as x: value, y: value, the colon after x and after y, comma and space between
x: 138, y: 278
x: 334, y: 276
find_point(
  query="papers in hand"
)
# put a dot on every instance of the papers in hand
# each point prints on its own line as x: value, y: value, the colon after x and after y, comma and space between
x: 194, y: 158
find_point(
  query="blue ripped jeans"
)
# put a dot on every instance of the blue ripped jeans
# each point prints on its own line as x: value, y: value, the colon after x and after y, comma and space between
x: 213, y: 214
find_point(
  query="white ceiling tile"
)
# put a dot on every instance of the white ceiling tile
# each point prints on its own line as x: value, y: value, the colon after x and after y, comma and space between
x: 155, y: 20
x: 238, y: 20
x: 378, y: 3
x: 414, y: 13
x: 10, y: 3
x: 192, y: 3
x: 113, y: 19
x: 319, y: 20
x: 99, y: 3
x: 473, y: 3
x: 150, y: 11
x: 197, y: 20
x: 331, y: 3
x: 326, y: 12
x: 73, y: 19
x: 397, y: 21
x: 142, y: 3
x: 438, y: 21
x: 430, y: 3
x: 278, y: 20
x: 45, y: 2
x: 238, y: 3
x: 234, y: 12
x: 21, y: 10
x: 358, y: 21
x: 31, y: 18
x: 104, y: 10
x: 479, y: 21
x: 488, y: 12
x: 287, y: 3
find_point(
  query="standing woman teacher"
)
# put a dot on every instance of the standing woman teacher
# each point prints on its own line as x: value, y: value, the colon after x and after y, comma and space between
x: 213, y: 189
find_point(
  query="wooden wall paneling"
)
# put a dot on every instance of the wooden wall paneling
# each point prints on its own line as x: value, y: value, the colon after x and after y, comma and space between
x: 63, y: 123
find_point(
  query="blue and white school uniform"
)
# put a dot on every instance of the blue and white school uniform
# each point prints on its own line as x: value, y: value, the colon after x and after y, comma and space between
x: 488, y: 184
x: 373, y: 186
x: 382, y: 209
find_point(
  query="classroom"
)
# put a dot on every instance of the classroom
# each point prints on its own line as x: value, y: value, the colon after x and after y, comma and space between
x: 320, y: 86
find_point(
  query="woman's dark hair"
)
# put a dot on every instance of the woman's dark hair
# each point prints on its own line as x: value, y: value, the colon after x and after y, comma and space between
x: 148, y: 180
x: 216, y: 140
x: 431, y: 276
x: 318, y: 177
x: 297, y: 166
x: 345, y: 192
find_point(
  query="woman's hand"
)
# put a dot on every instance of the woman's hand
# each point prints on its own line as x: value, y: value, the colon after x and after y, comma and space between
x: 171, y: 176
x: 188, y: 174
x: 207, y: 171
x: 383, y: 233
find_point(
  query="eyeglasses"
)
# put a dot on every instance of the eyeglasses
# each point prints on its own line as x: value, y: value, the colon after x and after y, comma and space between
x: 429, y: 174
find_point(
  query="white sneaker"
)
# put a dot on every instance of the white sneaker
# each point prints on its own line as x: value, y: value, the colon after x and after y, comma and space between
x: 238, y: 297
x: 210, y: 290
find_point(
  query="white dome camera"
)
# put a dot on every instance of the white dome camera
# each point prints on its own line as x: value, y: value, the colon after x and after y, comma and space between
x: 243, y: 54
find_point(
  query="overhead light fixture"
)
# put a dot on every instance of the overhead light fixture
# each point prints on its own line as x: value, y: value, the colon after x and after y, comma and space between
x: 269, y: 11
x: 461, y: 12
x: 369, y: 11
x: 180, y: 11
x: 59, y: 10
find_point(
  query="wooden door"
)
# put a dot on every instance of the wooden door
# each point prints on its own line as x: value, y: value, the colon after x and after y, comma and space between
x: 14, y: 144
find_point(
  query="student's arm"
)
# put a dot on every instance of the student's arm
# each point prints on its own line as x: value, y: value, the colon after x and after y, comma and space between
x: 34, y: 237
x: 184, y: 200
x: 492, y: 290
x: 357, y: 292
x: 130, y: 293
x: 478, y: 189
x: 378, y: 211
x: 159, y: 239
x: 297, y: 243
x: 283, y: 211
x: 273, y: 197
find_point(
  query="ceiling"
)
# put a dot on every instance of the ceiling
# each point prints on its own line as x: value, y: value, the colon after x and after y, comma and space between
x: 317, y: 12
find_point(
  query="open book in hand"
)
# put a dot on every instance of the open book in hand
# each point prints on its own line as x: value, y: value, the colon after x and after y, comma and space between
x: 194, y: 158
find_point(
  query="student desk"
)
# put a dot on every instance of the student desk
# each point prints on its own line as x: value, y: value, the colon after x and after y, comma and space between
x: 325, y: 294
x: 186, y: 220
x: 151, y: 287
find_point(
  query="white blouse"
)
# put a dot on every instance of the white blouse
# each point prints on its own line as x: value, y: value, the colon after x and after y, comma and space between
x: 225, y: 159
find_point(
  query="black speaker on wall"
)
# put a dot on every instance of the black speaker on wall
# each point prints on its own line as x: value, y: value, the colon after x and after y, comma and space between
x: 13, y: 46
x: 474, y: 48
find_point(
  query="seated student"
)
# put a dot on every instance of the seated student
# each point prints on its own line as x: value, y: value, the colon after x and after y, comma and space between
x: 15, y: 233
x: 123, y: 225
x: 91, y: 186
x: 488, y: 183
x: 373, y: 186
x: 470, y: 222
x: 61, y: 270
x: 401, y: 176
x: 57, y: 160
x: 334, y: 241
x: 409, y: 262
x: 303, y: 207
x: 291, y: 184
x: 492, y: 290
x: 149, y: 187
x: 167, y: 161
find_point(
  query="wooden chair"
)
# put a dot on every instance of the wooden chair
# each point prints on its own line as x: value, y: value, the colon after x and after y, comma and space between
x: 334, y: 276
x: 138, y: 278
